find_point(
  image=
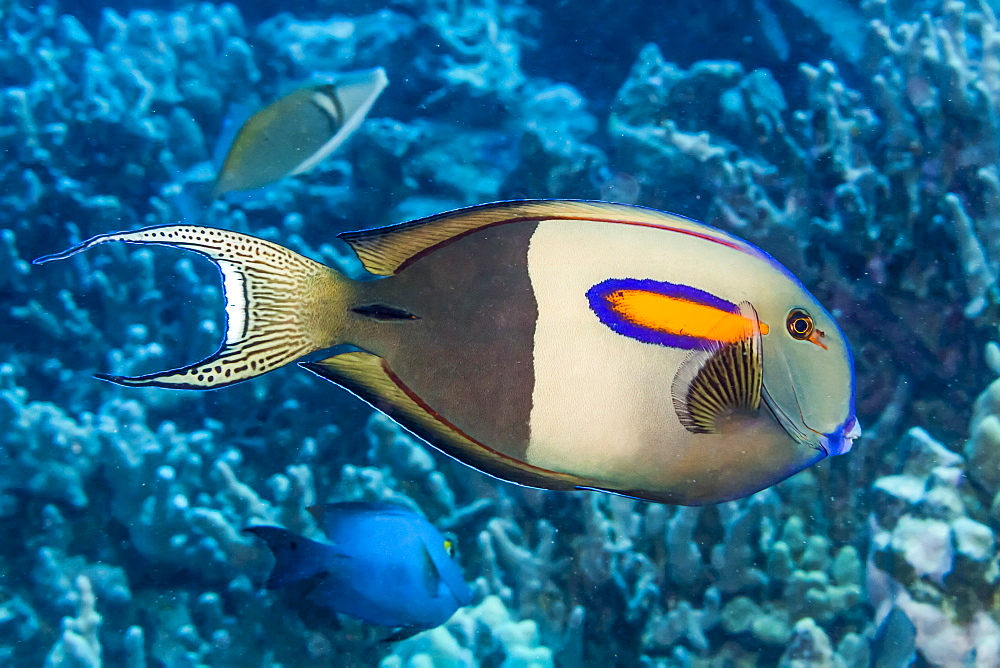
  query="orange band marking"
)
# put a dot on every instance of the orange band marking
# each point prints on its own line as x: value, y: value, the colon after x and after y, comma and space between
x: 680, y: 316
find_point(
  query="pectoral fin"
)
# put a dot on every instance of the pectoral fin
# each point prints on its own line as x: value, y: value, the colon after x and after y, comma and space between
x: 722, y: 382
x: 369, y: 377
x: 432, y: 576
x: 452, y: 577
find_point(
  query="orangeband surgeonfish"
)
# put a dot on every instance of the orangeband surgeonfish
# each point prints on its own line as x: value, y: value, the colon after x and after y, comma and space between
x: 293, y: 134
x: 556, y: 344
x: 384, y: 564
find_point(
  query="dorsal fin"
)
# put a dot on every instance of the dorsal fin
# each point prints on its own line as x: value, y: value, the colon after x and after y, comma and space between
x: 387, y: 250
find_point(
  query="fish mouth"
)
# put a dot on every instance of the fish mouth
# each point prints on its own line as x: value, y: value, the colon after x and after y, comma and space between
x: 841, y: 440
x: 836, y: 442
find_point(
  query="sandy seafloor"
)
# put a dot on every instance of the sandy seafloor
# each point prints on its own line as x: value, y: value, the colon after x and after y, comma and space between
x: 857, y: 142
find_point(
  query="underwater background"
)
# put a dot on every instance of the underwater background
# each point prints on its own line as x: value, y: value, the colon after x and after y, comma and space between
x: 857, y: 142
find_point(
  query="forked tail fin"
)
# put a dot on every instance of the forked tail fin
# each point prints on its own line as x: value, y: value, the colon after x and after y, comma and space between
x: 279, y: 305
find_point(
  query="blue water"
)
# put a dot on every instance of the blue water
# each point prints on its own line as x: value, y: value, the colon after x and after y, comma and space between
x: 857, y: 142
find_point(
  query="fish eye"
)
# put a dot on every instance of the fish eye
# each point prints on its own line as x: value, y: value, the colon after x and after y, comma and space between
x: 800, y: 324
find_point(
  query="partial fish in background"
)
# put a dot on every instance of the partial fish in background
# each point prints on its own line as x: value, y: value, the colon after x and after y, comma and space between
x: 293, y: 134
x: 384, y: 564
x: 555, y: 344
x: 895, y: 642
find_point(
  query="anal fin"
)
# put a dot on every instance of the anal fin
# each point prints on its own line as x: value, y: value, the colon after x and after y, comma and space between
x: 369, y: 377
x: 403, y: 633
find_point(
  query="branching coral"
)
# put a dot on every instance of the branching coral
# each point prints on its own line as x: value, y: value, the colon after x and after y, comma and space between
x: 879, y: 191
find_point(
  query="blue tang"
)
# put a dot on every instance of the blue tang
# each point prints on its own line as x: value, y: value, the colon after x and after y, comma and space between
x: 556, y: 344
x: 384, y: 564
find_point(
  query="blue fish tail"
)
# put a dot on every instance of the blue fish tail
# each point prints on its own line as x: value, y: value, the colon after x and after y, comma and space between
x: 296, y: 558
x: 894, y: 644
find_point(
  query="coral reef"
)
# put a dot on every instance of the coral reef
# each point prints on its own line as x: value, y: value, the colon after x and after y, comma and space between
x: 933, y: 553
x: 869, y: 169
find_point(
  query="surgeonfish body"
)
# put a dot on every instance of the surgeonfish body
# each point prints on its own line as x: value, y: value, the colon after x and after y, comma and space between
x: 384, y: 564
x: 556, y: 344
x: 296, y: 132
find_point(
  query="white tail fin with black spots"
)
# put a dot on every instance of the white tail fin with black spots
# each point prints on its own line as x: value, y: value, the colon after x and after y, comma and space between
x: 280, y: 305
